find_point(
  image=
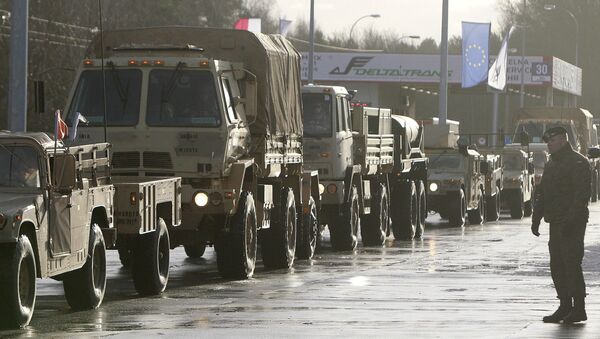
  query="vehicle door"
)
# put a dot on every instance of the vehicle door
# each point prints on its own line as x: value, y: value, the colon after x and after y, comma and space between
x: 344, y: 128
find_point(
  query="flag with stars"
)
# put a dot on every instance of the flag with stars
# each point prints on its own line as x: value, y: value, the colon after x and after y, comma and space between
x: 475, y: 61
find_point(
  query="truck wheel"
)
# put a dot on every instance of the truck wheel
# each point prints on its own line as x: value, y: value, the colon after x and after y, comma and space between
x: 422, y: 208
x: 307, y: 233
x: 476, y: 216
x: 84, y: 288
x: 17, y: 283
x: 456, y: 216
x: 493, y: 207
x: 196, y: 250
x: 236, y: 249
x: 375, y: 229
x: 344, y: 230
x: 151, y: 261
x: 405, y: 213
x: 278, y: 246
x: 517, y: 205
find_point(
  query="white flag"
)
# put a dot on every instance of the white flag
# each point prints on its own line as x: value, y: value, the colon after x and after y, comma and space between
x: 497, y: 73
x: 284, y: 26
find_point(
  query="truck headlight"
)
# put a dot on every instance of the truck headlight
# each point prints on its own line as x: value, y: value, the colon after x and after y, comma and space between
x: 200, y: 199
x: 433, y: 187
x: 321, y: 188
x: 2, y: 221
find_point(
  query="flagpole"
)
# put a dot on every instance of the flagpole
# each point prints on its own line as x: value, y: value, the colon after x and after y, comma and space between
x: 102, y: 69
x: 443, y: 104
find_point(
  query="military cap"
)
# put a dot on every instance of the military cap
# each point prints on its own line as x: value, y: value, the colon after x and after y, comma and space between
x: 553, y: 131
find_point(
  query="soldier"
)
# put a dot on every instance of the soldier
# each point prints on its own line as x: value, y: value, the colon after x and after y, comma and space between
x: 562, y: 199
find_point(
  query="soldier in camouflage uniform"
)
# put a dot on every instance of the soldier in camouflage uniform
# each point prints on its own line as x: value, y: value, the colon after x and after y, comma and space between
x: 562, y: 199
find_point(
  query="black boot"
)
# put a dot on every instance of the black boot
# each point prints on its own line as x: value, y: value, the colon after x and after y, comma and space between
x: 577, y: 314
x: 565, y: 308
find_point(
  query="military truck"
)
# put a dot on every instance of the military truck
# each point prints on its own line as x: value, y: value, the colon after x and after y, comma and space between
x: 220, y: 108
x: 353, y: 151
x: 56, y: 221
x: 409, y: 178
x: 581, y: 131
x: 519, y: 182
x: 455, y: 183
x: 492, y: 169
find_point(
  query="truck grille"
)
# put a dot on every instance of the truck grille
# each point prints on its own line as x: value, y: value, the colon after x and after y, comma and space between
x: 157, y: 160
x: 126, y: 160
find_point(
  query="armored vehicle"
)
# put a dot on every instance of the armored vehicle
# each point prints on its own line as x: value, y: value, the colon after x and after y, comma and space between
x: 455, y: 182
x: 519, y: 182
x: 492, y: 169
x: 353, y: 153
x: 220, y: 108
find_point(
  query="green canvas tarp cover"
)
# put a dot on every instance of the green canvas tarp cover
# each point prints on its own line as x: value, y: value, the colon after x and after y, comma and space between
x: 272, y: 58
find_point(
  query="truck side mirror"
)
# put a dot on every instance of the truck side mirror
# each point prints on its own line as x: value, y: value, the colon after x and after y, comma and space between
x: 63, y: 173
x: 593, y: 152
x: 524, y: 138
x: 38, y: 99
x: 250, y: 100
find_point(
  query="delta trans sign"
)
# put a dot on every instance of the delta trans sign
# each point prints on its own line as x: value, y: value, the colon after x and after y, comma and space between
x: 415, y: 68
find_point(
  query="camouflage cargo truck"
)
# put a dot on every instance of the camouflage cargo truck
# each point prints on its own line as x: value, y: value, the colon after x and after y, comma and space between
x: 221, y: 109
x: 455, y: 182
x: 353, y: 153
x: 59, y: 214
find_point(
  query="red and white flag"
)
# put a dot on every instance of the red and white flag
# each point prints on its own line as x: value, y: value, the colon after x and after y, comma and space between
x: 60, y: 127
x: 248, y: 24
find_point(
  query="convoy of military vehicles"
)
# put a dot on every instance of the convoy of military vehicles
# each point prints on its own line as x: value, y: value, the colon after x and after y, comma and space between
x: 206, y: 137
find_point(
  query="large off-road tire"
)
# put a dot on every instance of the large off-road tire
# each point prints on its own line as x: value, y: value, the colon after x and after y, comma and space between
x: 195, y: 250
x: 278, y: 243
x: 517, y: 205
x: 306, y: 239
x: 17, y: 283
x: 422, y: 209
x: 477, y: 216
x: 458, y: 209
x: 236, y: 249
x: 405, y: 210
x: 151, y: 261
x: 85, y: 287
x: 125, y: 255
x: 344, y: 230
x: 493, y: 207
x: 375, y: 226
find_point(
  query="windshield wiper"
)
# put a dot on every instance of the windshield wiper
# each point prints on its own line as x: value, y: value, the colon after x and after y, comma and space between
x: 123, y: 93
x: 164, y: 96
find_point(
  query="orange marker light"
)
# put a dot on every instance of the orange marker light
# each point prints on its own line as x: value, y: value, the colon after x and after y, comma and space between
x: 88, y: 62
x: 132, y: 62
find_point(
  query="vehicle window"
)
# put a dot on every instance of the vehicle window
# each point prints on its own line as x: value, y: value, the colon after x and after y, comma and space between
x: 123, y: 90
x: 346, y: 116
x: 317, y: 114
x: 19, y: 167
x: 342, y: 123
x: 179, y: 97
x: 447, y: 161
x: 513, y: 161
x: 231, y: 113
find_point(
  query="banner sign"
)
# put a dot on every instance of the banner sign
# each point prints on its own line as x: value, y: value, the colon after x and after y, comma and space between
x: 407, y: 68
x: 566, y: 77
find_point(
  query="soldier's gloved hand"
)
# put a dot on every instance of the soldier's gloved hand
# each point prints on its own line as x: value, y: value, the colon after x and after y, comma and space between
x: 535, y: 228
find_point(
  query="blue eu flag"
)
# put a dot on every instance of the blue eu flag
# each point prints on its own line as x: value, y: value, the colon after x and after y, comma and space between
x: 475, y: 61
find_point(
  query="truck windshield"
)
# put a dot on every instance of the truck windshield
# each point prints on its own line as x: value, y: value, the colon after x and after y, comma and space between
x: 19, y: 167
x: 317, y: 114
x: 446, y: 162
x: 513, y: 161
x: 539, y: 159
x: 182, y: 98
x: 123, y: 89
x: 536, y: 130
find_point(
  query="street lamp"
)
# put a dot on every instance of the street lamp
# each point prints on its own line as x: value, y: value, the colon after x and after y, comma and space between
x: 551, y: 7
x: 359, y: 19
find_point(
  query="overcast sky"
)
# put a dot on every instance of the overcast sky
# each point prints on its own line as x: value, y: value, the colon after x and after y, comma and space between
x: 405, y: 17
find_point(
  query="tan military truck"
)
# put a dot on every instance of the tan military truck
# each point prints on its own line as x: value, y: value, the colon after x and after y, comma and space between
x: 220, y: 108
x: 56, y: 221
x: 519, y: 181
x: 492, y: 169
x: 455, y: 183
x: 581, y: 131
x: 353, y: 152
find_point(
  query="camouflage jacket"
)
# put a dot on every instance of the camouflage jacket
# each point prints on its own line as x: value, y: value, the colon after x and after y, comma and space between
x: 565, y: 189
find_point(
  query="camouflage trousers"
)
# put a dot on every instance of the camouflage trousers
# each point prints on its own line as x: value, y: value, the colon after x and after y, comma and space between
x: 566, y: 255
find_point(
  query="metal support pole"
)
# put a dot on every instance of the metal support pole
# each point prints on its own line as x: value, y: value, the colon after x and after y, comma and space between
x: 523, y: 32
x: 495, y: 119
x: 17, y: 66
x: 443, y: 104
x: 311, y: 39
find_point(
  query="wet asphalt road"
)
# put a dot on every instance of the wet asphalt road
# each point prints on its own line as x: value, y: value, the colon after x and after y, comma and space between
x: 489, y: 281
